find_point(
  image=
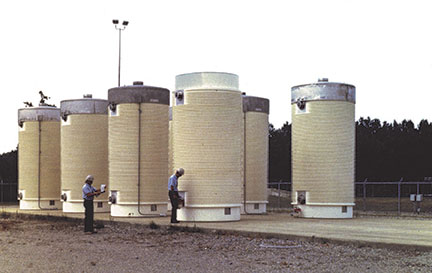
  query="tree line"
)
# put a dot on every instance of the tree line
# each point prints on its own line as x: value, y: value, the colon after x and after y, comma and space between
x: 384, y: 151
x: 9, y: 167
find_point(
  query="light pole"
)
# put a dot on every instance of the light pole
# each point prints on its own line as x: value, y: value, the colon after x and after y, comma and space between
x: 120, y: 28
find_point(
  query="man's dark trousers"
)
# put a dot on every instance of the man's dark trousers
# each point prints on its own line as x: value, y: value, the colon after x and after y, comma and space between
x: 173, y: 196
x: 88, y: 221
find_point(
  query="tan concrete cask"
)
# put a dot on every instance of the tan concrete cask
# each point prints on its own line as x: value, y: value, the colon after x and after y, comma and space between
x: 255, y: 156
x: 170, y: 148
x: 207, y: 143
x: 323, y: 147
x: 138, y: 150
x: 84, y: 151
x: 39, y: 158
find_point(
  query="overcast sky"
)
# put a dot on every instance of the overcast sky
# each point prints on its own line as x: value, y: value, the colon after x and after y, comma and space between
x: 69, y: 48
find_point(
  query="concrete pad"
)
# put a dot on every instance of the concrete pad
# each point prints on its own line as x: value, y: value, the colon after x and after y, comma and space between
x: 393, y: 232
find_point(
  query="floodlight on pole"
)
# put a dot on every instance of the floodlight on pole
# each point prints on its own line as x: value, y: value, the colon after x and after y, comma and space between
x: 119, y: 28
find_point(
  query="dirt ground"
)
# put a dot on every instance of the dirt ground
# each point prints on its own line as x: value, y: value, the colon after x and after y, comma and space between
x: 60, y: 245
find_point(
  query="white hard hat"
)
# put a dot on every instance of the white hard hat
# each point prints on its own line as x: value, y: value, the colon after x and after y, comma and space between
x: 89, y: 177
x: 180, y: 171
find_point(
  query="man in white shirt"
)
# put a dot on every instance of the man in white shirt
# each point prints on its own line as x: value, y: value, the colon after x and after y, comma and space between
x: 173, y: 193
x: 88, y: 194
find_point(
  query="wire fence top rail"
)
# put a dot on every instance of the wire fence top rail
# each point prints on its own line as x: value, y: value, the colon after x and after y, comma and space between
x: 367, y: 182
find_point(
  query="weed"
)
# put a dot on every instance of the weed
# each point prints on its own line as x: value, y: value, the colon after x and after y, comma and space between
x: 174, y: 228
x: 186, y: 229
x: 99, y: 225
x: 4, y: 215
x: 195, y: 229
x: 153, y: 225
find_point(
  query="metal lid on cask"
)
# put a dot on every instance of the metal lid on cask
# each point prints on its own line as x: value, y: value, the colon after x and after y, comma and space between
x: 41, y: 113
x: 138, y: 93
x: 85, y: 105
x: 323, y: 90
x: 256, y: 104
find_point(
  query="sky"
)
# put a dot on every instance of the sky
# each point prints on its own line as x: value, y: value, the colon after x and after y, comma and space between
x: 70, y: 48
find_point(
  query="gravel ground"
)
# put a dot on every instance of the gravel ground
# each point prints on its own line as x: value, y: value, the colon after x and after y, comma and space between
x: 60, y: 245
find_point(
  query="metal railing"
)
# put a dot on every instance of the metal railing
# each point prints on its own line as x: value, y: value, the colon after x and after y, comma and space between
x: 365, y: 190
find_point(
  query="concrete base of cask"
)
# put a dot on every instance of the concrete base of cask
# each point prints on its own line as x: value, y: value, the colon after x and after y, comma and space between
x: 131, y: 210
x: 337, y: 211
x: 254, y: 207
x: 77, y: 206
x: 208, y: 214
x: 44, y: 204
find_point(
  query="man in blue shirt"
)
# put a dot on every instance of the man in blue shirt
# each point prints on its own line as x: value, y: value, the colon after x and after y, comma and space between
x: 173, y: 193
x: 88, y: 194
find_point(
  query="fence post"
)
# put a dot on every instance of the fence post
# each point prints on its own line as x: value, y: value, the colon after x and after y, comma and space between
x: 279, y: 193
x: 418, y: 188
x: 399, y: 195
x: 364, y: 194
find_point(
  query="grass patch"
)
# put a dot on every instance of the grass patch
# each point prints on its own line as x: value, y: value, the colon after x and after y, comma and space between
x: 195, y: 229
x: 153, y: 225
x: 99, y: 225
x: 186, y: 229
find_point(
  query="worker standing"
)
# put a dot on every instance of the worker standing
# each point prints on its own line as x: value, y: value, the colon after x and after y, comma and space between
x: 88, y: 194
x: 173, y: 193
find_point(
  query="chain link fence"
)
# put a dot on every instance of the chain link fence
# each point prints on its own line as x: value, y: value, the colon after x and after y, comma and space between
x: 396, y: 196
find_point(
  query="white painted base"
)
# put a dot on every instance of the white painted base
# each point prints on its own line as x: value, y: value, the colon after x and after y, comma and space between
x: 131, y: 210
x: 77, y: 206
x: 43, y: 205
x: 208, y: 214
x: 250, y: 207
x: 333, y: 212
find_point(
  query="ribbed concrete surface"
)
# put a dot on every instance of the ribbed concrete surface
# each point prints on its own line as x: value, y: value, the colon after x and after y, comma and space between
x: 28, y: 164
x: 256, y: 137
x: 123, y: 152
x: 323, y: 146
x: 84, y: 150
x: 170, y: 150
x: 207, y: 144
x: 373, y: 231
